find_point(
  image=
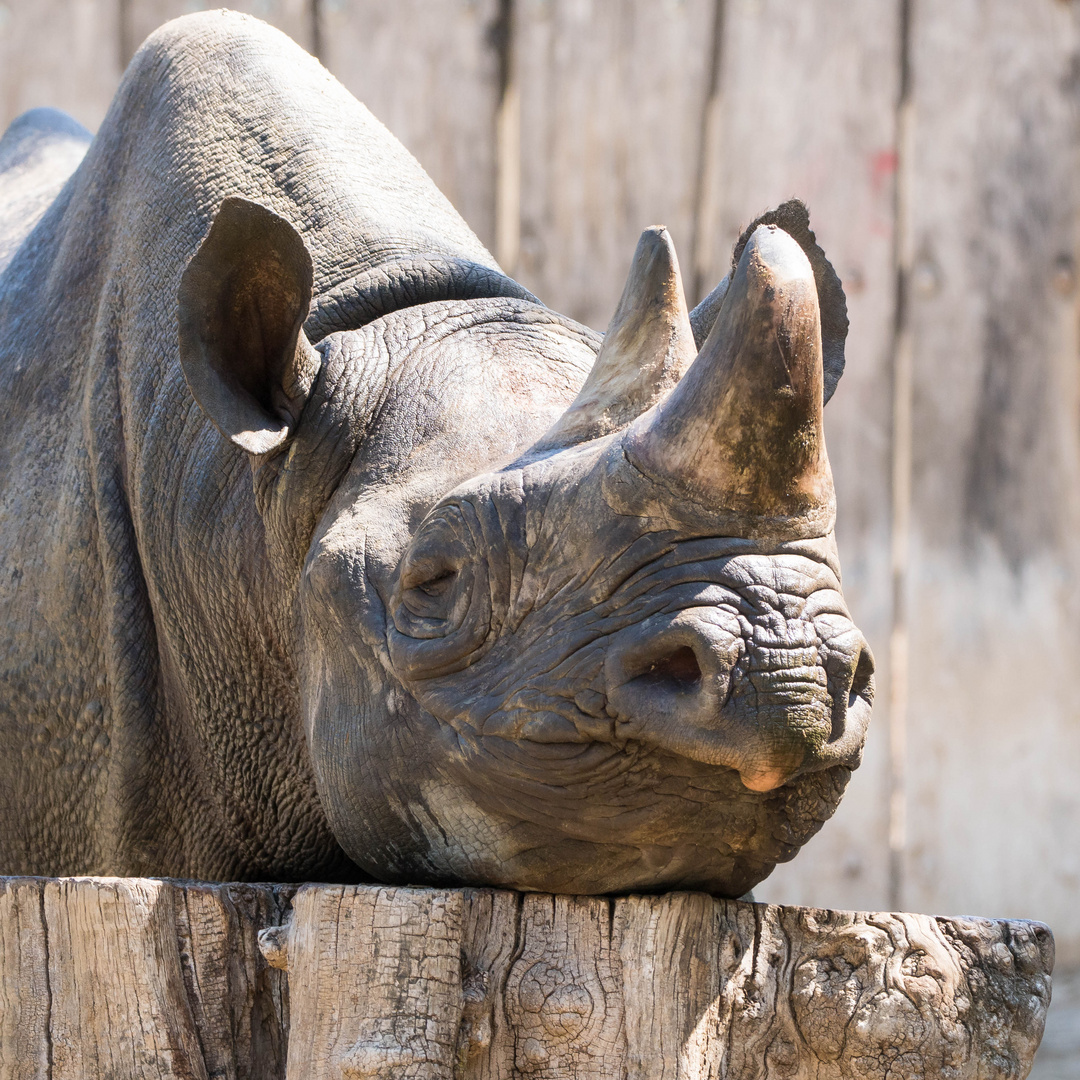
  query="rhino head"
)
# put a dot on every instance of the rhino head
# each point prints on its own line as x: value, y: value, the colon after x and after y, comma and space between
x: 620, y: 659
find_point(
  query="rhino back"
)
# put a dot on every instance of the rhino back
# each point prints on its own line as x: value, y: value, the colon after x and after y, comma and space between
x: 38, y: 152
x: 116, y: 494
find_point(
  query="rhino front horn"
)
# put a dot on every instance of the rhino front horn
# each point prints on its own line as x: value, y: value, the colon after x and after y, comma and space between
x: 742, y: 431
x: 647, y: 349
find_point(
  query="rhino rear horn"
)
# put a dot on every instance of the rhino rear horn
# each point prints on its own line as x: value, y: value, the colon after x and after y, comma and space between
x: 242, y: 302
x: 647, y: 349
x: 742, y: 431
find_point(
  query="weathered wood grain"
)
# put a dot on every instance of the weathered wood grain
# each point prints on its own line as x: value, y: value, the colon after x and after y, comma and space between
x: 611, y: 105
x: 63, y: 53
x: 430, y: 73
x: 114, y: 967
x: 25, y: 998
x: 668, y: 986
x: 374, y: 982
x: 114, y: 977
x: 994, y: 578
x: 118, y: 978
x: 681, y: 954
x: 806, y: 106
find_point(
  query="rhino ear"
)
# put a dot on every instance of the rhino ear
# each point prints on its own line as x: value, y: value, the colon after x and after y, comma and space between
x: 242, y: 302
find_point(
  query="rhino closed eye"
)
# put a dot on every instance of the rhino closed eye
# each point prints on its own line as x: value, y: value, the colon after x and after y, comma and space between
x: 441, y: 609
x: 432, y: 596
x: 437, y: 577
x: 440, y: 584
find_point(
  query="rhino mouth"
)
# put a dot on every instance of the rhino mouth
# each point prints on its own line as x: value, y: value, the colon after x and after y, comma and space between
x: 698, y: 685
x: 558, y: 813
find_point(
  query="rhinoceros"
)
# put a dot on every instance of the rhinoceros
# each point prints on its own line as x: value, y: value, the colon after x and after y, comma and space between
x: 329, y: 552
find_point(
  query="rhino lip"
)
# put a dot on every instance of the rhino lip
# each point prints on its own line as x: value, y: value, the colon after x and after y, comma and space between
x: 762, y: 724
x: 762, y: 769
x: 738, y: 750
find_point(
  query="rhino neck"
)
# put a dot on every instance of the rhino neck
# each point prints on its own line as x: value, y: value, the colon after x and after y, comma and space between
x: 406, y: 282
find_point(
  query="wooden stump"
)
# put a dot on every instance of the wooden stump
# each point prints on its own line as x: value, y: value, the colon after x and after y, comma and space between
x: 117, y: 978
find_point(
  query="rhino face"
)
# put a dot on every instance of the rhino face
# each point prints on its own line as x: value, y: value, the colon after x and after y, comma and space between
x: 527, y: 609
x: 676, y: 723
x: 639, y: 706
x: 623, y: 661
x: 620, y: 661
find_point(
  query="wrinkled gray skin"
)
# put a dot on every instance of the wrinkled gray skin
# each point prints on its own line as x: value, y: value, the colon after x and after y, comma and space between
x: 398, y: 642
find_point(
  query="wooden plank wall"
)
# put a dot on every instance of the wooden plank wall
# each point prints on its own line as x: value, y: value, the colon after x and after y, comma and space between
x: 993, y: 579
x: 936, y: 142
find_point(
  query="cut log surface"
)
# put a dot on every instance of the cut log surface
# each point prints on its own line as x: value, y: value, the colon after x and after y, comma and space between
x: 117, y: 978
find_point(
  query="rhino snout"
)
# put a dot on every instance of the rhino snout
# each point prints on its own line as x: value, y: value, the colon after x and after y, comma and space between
x: 774, y: 705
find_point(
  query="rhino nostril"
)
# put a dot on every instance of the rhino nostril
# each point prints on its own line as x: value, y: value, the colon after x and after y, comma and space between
x: 679, y: 670
x: 853, y: 706
x: 864, y: 674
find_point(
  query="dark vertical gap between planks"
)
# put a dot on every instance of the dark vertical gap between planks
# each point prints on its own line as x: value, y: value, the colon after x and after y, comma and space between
x: 500, y: 39
x: 314, y: 12
x: 704, y: 220
x: 901, y: 454
x: 507, y: 140
x: 49, y: 1047
x: 123, y: 27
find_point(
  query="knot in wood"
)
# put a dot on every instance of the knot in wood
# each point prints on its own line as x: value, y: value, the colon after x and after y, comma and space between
x: 274, y: 945
x: 562, y: 1005
x: 476, y: 1008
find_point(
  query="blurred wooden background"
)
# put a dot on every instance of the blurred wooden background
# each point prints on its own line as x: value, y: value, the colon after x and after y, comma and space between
x: 937, y: 143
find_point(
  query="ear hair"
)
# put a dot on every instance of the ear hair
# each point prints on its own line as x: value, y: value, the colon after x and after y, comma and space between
x: 242, y: 302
